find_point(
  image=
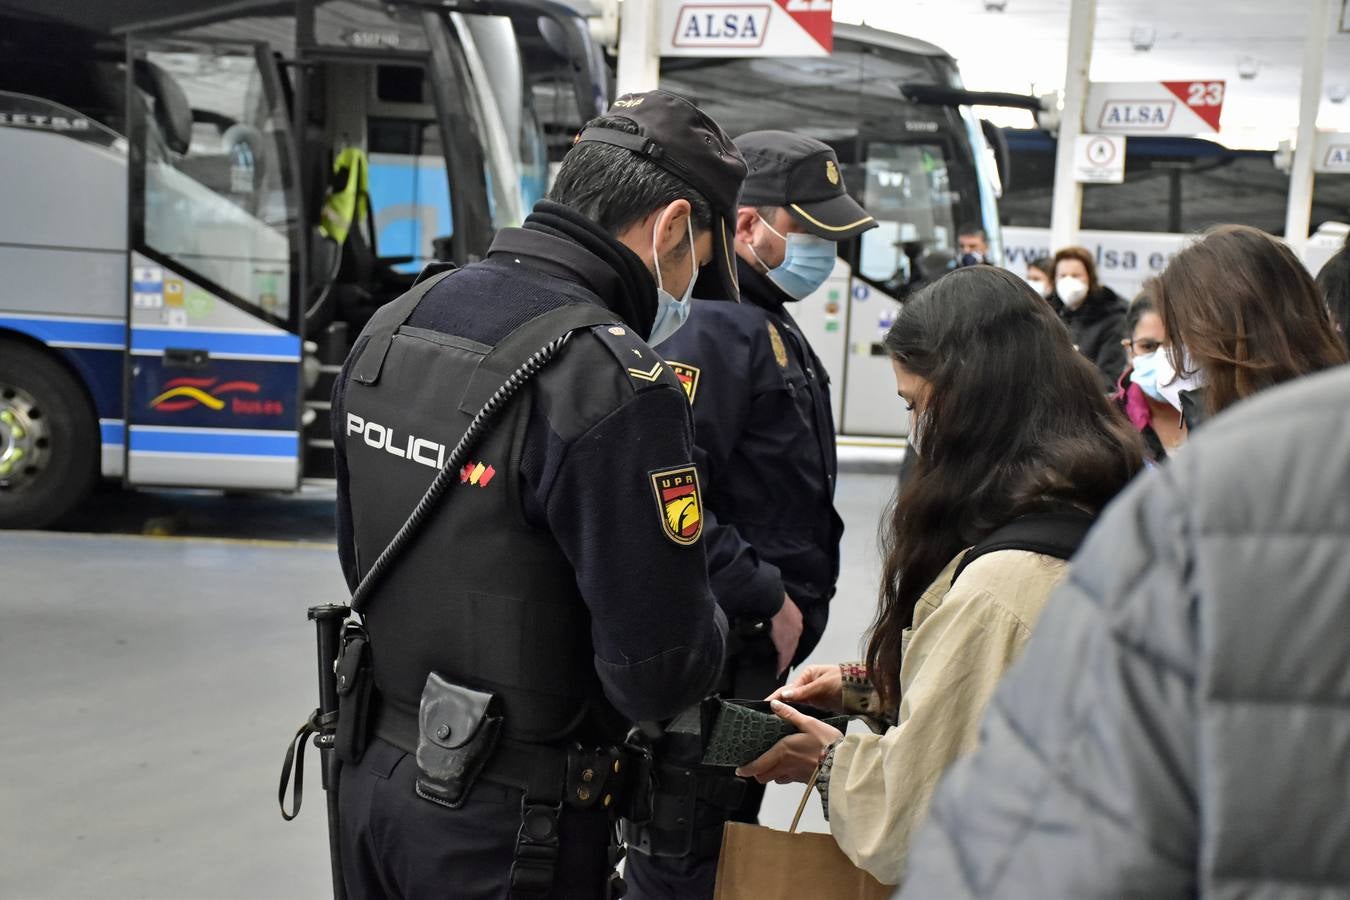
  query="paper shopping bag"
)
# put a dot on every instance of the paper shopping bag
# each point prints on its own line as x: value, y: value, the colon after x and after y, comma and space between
x: 761, y: 863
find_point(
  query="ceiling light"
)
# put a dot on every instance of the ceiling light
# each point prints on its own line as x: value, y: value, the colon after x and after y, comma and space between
x: 1248, y: 67
x: 1142, y: 38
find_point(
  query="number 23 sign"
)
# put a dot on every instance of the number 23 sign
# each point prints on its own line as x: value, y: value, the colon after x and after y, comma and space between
x: 1154, y: 107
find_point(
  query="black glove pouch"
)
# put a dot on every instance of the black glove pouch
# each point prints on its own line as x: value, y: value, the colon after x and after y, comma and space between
x: 456, y: 734
x: 737, y: 732
x: 354, y: 686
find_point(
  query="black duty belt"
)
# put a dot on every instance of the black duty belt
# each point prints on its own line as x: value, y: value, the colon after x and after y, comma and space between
x: 608, y: 778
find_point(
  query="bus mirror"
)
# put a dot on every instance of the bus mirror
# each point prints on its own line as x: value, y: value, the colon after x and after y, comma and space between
x: 173, y: 114
x: 998, y: 143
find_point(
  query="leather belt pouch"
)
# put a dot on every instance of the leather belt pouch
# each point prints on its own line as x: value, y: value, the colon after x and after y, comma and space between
x: 737, y: 732
x: 354, y: 685
x: 457, y: 730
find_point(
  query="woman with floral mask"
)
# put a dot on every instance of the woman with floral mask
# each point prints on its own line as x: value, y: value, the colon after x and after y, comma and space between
x: 1138, y: 395
x: 1094, y: 313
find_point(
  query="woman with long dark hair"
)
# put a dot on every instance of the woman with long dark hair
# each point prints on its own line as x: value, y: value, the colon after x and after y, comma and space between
x: 1242, y: 314
x: 1009, y: 423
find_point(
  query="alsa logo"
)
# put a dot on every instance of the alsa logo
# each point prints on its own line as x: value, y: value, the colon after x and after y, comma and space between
x: 188, y: 393
x: 724, y: 25
x: 1137, y: 114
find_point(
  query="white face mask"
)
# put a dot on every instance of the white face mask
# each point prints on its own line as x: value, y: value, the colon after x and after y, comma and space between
x: 1073, y: 291
x: 672, y: 312
x: 1171, y: 384
x: 1041, y: 287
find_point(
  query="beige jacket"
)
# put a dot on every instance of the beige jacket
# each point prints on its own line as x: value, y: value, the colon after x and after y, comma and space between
x: 963, y: 639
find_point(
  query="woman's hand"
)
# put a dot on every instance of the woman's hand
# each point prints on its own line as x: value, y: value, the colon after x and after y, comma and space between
x: 796, y: 756
x: 817, y: 685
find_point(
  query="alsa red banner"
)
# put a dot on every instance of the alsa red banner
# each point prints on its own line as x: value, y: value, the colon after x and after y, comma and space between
x: 1204, y: 98
x: 816, y: 17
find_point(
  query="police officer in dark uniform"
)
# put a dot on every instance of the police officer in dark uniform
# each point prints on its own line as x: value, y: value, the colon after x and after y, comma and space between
x: 764, y: 435
x: 558, y: 594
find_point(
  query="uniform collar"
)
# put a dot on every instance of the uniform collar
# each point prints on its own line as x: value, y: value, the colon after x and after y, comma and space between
x: 756, y: 288
x: 558, y: 241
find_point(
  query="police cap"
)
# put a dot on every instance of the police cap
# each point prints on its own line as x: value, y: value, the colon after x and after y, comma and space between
x: 801, y: 174
x: 677, y: 136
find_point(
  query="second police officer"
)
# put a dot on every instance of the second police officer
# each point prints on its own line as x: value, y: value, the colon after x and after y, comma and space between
x: 559, y: 593
x: 764, y: 444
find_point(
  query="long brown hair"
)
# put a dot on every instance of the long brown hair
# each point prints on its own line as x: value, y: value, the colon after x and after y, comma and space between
x: 1015, y: 420
x: 1243, y: 310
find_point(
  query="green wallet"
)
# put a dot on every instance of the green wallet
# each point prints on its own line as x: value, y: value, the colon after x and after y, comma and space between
x: 737, y: 732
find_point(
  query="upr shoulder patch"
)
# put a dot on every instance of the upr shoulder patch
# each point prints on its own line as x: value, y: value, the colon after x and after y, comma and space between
x: 688, y: 376
x: 680, y: 503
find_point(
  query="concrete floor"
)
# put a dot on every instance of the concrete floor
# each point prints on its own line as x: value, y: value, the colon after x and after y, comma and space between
x: 150, y: 685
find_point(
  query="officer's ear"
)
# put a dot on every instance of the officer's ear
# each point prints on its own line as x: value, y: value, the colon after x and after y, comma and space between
x: 746, y: 219
x: 672, y: 227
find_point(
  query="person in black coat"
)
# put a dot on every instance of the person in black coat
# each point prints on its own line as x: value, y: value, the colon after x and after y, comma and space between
x: 1094, y: 313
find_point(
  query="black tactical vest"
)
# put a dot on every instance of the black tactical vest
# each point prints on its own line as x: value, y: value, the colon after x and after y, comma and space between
x: 480, y: 596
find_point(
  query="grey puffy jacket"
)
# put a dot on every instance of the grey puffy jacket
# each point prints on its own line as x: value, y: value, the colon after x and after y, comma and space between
x: 1179, y: 724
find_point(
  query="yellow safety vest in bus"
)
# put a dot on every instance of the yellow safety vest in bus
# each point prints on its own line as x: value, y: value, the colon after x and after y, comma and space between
x: 349, y: 198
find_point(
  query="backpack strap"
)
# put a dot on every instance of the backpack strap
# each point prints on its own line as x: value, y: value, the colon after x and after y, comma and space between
x: 1056, y: 534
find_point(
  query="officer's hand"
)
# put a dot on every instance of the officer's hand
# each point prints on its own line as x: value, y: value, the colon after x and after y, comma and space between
x: 817, y: 685
x: 796, y: 756
x: 786, y: 631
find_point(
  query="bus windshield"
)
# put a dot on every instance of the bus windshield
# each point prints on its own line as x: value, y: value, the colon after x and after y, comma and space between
x: 914, y: 167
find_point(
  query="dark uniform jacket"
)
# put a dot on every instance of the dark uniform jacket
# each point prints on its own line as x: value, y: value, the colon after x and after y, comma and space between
x: 1178, y: 724
x: 604, y: 417
x: 764, y: 435
x: 1097, y: 328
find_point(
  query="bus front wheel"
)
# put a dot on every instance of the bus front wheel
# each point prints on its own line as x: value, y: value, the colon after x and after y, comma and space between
x: 49, y: 438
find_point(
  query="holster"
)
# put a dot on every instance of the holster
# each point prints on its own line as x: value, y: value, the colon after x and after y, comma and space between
x: 355, y: 688
x: 751, y: 661
x: 457, y: 732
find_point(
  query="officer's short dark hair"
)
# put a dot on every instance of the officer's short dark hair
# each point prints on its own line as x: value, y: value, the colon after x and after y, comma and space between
x: 972, y: 231
x: 614, y: 187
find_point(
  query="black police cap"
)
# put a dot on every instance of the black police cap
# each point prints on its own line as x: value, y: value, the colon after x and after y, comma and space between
x: 801, y: 174
x: 680, y: 138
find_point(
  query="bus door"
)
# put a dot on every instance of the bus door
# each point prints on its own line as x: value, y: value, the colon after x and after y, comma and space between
x: 912, y: 188
x: 213, y: 380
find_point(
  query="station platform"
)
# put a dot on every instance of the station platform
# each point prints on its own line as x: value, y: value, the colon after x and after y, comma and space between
x: 152, y: 682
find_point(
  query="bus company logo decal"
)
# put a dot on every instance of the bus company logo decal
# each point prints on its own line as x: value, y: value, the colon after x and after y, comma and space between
x: 722, y: 25
x: 190, y: 393
x: 50, y: 123
x: 1137, y: 114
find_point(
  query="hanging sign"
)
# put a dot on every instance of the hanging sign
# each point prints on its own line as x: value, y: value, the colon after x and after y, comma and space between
x: 1333, y: 152
x: 755, y: 28
x: 1154, y: 107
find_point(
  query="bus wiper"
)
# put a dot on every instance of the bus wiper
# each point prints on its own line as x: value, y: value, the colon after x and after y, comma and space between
x: 937, y: 95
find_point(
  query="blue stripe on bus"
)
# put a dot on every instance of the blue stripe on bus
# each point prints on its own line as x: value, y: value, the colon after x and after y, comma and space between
x: 112, y: 432
x: 260, y: 343
x: 68, y: 331
x: 215, y: 442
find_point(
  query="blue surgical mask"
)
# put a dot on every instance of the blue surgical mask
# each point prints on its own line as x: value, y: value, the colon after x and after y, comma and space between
x: 672, y: 311
x: 1145, y: 374
x: 808, y: 261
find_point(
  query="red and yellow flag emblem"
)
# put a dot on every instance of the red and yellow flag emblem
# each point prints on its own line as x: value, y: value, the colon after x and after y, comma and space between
x: 680, y: 504
x: 688, y: 376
